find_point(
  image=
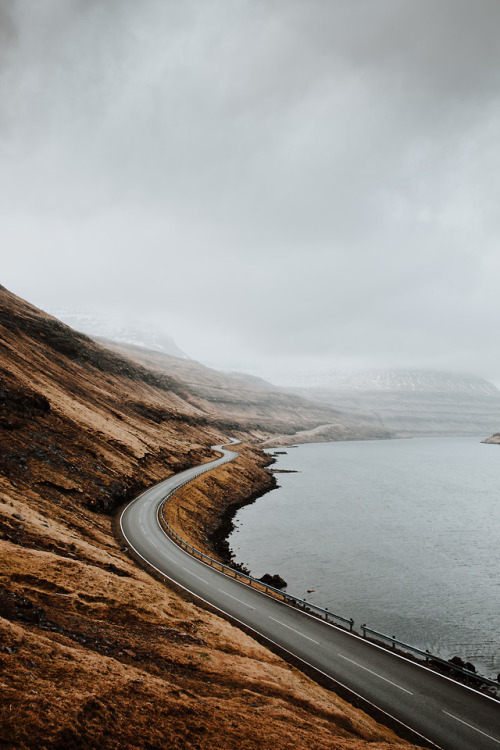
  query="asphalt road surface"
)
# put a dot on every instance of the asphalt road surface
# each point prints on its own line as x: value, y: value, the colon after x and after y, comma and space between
x: 441, y: 711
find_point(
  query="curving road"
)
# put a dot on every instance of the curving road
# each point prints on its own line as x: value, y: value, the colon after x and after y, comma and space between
x: 441, y: 712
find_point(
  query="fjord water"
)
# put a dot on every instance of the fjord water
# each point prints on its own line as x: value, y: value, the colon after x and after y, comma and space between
x: 403, y: 535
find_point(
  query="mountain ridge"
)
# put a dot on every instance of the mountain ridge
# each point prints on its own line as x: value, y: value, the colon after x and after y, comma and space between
x: 393, y: 379
x: 410, y: 403
x: 253, y: 401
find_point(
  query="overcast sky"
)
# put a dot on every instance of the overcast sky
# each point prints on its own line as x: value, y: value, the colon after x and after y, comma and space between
x: 275, y: 183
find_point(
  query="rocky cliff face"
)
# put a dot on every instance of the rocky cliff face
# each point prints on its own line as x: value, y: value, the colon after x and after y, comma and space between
x: 93, y: 651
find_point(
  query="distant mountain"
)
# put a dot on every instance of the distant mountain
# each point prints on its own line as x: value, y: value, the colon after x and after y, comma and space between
x: 409, y: 402
x: 418, y: 381
x: 99, y: 326
x: 253, y: 404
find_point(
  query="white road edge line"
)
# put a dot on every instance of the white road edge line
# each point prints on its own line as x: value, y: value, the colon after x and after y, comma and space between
x: 295, y: 631
x: 247, y: 628
x: 375, y: 673
x: 471, y: 727
x: 236, y: 598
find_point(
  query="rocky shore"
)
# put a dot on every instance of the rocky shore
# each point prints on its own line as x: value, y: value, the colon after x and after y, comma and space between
x: 202, y: 512
x: 493, y: 440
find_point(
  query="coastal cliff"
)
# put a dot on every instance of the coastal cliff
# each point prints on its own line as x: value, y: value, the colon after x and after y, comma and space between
x: 94, y: 651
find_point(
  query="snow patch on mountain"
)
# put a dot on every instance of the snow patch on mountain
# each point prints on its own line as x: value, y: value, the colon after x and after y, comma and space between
x: 392, y: 380
x: 98, y: 325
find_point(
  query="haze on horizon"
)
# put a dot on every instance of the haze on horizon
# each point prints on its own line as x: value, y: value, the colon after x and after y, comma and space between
x: 272, y: 184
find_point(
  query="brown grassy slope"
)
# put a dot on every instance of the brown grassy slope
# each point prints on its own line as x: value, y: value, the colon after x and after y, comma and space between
x: 93, y: 651
x: 251, y: 402
x: 73, y: 409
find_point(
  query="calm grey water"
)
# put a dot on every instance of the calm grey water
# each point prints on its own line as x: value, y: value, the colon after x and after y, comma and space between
x: 403, y: 535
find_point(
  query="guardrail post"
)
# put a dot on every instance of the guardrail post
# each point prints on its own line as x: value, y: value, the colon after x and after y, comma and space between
x: 351, y: 625
x: 363, y: 630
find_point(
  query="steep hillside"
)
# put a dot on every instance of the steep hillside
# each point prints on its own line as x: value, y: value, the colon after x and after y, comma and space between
x: 252, y: 403
x: 80, y: 420
x: 95, y: 653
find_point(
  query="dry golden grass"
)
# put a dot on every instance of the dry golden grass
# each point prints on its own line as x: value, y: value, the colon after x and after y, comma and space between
x: 94, y: 653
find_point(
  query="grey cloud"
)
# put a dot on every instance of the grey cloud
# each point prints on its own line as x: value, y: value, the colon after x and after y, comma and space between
x: 325, y: 171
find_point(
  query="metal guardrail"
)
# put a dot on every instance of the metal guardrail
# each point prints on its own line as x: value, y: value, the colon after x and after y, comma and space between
x: 394, y: 643
x: 295, y: 601
x: 314, y: 609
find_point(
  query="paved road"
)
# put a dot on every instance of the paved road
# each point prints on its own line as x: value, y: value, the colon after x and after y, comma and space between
x: 440, y: 710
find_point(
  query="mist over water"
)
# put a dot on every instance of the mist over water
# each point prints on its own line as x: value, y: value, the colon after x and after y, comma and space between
x: 401, y: 535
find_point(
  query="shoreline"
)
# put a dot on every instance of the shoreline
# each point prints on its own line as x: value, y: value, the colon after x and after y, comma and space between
x: 202, y: 511
x: 450, y: 668
x: 219, y: 538
x: 483, y: 664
